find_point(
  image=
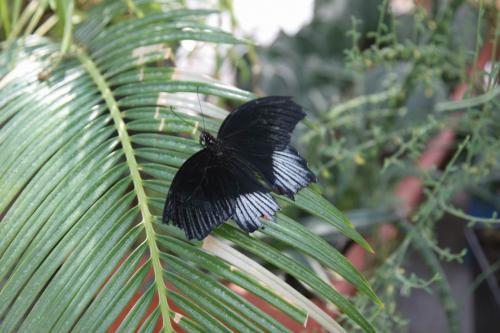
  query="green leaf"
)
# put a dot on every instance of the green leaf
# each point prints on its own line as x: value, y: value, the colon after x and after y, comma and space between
x: 136, y: 314
x: 220, y: 268
x: 315, y: 204
x: 295, y: 235
x: 223, y: 293
x: 209, y: 323
x: 295, y: 269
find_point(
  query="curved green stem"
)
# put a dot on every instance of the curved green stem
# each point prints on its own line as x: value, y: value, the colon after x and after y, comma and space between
x: 491, y: 95
x: 442, y: 284
x: 361, y: 101
x: 67, y: 16
x: 147, y: 217
x: 458, y: 213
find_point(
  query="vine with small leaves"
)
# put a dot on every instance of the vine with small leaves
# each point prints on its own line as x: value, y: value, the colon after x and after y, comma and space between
x: 382, y: 135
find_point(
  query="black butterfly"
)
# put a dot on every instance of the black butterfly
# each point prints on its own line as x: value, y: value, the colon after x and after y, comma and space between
x: 233, y: 175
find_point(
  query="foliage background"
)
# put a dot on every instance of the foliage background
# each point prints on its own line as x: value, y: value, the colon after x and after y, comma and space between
x: 376, y: 95
x: 379, y: 94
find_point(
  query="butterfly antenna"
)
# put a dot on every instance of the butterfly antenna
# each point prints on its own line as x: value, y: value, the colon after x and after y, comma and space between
x: 178, y: 116
x: 201, y: 109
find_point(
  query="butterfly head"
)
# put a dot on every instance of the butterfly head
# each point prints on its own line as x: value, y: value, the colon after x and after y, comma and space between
x: 206, y: 139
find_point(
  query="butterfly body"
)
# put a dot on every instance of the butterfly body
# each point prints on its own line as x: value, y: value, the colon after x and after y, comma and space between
x: 207, y: 139
x: 210, y: 142
x: 233, y: 175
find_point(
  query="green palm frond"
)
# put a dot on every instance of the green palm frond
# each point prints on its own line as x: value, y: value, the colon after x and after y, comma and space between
x: 88, y: 148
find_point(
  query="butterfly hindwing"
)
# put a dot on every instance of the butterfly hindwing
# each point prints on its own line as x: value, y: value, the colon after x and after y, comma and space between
x: 253, y: 201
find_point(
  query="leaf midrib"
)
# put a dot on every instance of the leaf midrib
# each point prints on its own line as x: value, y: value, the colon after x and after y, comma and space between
x: 147, y: 217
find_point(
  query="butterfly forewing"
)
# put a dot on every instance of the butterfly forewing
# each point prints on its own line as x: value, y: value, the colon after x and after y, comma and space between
x: 286, y: 171
x: 261, y: 125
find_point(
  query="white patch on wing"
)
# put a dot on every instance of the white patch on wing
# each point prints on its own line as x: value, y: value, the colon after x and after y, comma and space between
x: 251, y: 206
x: 290, y: 170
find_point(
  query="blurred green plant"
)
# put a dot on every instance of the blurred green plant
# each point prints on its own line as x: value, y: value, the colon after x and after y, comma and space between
x: 378, y: 88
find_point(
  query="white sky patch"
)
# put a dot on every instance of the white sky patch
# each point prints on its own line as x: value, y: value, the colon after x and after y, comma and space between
x: 258, y: 20
x: 401, y: 7
x: 263, y: 19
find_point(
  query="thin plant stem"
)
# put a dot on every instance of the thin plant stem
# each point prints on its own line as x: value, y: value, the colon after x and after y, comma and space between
x: 47, y: 25
x: 16, y: 11
x: 494, y: 63
x: 458, y: 213
x: 443, y: 287
x: 360, y: 101
x: 4, y: 16
x: 469, y: 102
x: 35, y: 19
x: 483, y: 276
x: 376, y: 98
x: 25, y: 16
x: 479, y: 43
x: 412, y: 233
x: 381, y: 24
x: 68, y: 27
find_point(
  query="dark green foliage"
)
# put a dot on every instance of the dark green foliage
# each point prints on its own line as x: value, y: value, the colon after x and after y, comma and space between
x: 379, y: 89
